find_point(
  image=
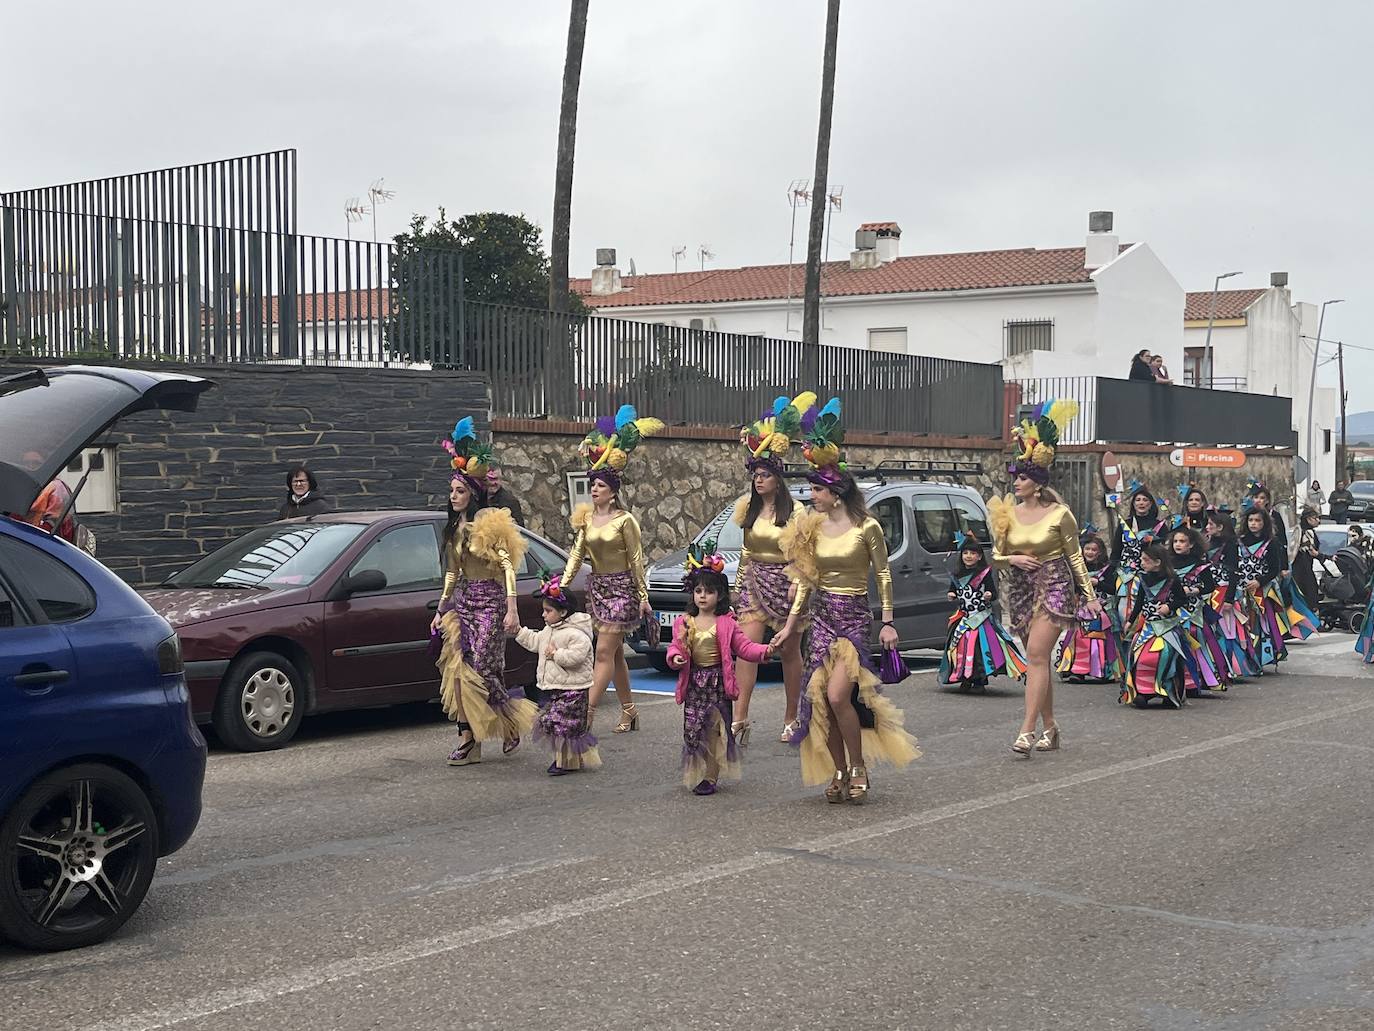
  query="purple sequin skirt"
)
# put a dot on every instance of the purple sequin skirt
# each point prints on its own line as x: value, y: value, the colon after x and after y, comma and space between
x: 1049, y: 591
x: 708, y: 748
x: 482, y: 611
x: 761, y: 594
x: 563, y: 725
x: 613, y: 602
x: 836, y: 617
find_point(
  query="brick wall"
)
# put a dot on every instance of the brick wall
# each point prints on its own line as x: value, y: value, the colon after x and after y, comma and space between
x: 190, y: 482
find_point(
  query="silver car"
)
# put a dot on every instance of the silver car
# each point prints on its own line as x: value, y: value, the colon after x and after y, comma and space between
x: 919, y: 519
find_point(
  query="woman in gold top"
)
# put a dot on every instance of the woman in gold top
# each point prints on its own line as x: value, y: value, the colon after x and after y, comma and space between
x: 477, y: 609
x: 843, y: 719
x: 608, y: 537
x: 764, y: 589
x: 1035, y: 541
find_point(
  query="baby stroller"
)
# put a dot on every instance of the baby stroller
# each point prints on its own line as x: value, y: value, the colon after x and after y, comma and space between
x: 1345, y: 590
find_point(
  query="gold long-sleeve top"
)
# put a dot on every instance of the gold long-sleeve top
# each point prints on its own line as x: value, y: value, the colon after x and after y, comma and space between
x: 613, y: 548
x: 763, y: 541
x: 703, y: 644
x: 1054, y: 536
x: 843, y: 562
x: 460, y: 560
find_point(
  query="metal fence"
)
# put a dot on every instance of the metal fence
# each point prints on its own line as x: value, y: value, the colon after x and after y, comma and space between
x: 1132, y: 411
x: 576, y: 366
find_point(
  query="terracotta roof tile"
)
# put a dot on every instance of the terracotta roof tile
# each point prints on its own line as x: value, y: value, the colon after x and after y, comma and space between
x: 924, y: 273
x: 880, y: 225
x: 1231, y: 304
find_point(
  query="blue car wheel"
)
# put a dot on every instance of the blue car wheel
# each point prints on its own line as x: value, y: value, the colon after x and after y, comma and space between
x: 79, y: 849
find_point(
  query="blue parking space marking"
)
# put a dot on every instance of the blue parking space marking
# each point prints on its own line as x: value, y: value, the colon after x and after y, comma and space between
x: 651, y: 681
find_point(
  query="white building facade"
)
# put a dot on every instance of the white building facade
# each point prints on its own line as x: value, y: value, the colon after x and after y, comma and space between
x: 1262, y: 342
x: 1072, y: 311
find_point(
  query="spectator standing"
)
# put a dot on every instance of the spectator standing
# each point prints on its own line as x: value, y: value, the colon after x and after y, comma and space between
x: 1315, y: 497
x: 1140, y: 367
x: 303, y: 497
x: 1159, y: 371
x: 499, y: 497
x: 1339, y: 501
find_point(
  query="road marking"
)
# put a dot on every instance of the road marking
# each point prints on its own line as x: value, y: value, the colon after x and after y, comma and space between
x: 212, y: 1003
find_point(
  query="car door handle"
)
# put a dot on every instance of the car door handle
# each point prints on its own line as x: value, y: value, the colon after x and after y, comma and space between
x: 433, y: 606
x: 47, y: 676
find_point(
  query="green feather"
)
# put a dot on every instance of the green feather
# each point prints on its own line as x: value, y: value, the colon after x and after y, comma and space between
x: 788, y: 421
x: 628, y: 437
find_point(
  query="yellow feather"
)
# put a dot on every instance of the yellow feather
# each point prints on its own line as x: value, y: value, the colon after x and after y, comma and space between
x: 741, y: 507
x: 1063, y: 412
x: 493, y: 530
x: 648, y: 427
x: 581, y: 516
x: 999, y: 516
x: 804, y: 401
x: 799, y: 547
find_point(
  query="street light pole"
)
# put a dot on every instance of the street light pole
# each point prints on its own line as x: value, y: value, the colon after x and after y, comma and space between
x: 1211, y: 316
x: 1312, y: 384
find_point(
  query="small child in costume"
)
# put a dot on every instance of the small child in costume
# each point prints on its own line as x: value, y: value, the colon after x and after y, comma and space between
x: 1092, y: 648
x: 1161, y: 647
x: 1188, y: 555
x: 978, y: 647
x: 706, y: 643
x: 564, y: 647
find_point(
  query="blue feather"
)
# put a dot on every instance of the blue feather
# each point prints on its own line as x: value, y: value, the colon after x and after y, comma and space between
x: 462, y: 430
x: 779, y: 403
x: 832, y: 407
x: 625, y: 416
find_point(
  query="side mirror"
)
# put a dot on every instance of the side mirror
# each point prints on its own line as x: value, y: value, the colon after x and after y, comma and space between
x: 365, y: 581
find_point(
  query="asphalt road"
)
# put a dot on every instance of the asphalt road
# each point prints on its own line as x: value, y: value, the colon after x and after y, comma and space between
x: 1209, y: 868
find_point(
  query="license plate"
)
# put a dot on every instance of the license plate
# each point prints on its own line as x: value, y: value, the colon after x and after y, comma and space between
x: 665, y: 619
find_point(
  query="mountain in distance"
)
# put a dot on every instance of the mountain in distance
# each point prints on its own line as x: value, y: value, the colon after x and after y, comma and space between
x: 1359, y: 426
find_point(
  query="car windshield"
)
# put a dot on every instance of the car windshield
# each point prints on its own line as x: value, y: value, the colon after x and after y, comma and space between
x: 1362, y: 488
x: 1331, y: 541
x: 728, y: 534
x: 279, y: 555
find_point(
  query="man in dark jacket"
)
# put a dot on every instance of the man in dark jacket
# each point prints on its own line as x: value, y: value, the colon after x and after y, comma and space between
x: 1339, y: 502
x: 499, y: 497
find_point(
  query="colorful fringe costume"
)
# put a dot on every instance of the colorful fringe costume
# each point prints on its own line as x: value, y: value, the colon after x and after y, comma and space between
x: 1162, y: 649
x: 1209, y: 657
x: 1364, y: 643
x: 1133, y: 532
x: 1234, y: 630
x: 1091, y: 648
x: 978, y: 647
x: 1258, y: 562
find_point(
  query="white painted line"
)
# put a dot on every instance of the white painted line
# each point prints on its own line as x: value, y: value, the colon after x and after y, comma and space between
x: 212, y: 1003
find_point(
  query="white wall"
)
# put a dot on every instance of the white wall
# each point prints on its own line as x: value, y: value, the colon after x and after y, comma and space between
x: 1140, y: 305
x: 1230, y: 353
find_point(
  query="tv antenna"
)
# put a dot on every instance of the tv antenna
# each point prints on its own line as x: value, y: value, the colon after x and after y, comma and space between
x: 377, y: 193
x: 705, y: 253
x: 798, y: 196
x: 679, y: 253
x: 834, y: 202
x: 354, y: 210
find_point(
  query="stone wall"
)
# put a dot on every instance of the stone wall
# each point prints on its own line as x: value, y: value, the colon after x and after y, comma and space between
x: 189, y: 482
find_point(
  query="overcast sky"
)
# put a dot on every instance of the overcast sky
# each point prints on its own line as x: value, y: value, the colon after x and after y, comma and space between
x: 1228, y: 135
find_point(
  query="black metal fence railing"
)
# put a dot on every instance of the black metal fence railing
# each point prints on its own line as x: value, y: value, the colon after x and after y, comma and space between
x: 1132, y: 411
x: 579, y: 367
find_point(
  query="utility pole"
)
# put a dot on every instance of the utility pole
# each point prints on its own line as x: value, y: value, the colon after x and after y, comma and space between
x: 811, y: 307
x: 1341, y: 471
x: 1312, y: 383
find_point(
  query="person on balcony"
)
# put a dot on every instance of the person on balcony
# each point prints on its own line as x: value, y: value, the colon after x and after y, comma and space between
x: 1140, y: 367
x: 1159, y: 371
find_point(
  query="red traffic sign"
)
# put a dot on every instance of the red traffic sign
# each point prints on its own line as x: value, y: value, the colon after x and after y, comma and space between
x: 1112, y: 477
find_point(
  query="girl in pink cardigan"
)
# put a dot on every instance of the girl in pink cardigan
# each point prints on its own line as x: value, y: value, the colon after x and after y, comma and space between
x: 706, y: 643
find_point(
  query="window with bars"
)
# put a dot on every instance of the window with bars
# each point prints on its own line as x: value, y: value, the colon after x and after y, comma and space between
x: 1023, y: 335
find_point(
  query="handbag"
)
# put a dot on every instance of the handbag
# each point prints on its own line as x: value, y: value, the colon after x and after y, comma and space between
x: 892, y: 667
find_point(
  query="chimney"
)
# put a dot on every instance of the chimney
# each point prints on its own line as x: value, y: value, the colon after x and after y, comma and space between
x: 605, y: 277
x: 875, y: 244
x: 1279, y: 279
x: 1103, y: 245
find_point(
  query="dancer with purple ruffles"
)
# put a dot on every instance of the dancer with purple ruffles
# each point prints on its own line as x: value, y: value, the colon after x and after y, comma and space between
x: 763, y: 587
x: 481, y: 547
x: 608, y: 536
x: 706, y: 643
x: 1036, y: 543
x: 844, y: 721
x: 565, y: 650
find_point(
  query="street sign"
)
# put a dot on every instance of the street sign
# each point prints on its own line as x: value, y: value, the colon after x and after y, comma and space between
x: 1300, y: 469
x: 1207, y: 457
x: 1112, y: 476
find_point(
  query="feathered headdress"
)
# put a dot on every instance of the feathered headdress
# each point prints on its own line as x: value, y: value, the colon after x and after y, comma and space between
x: 551, y: 587
x: 1034, y: 441
x: 962, y: 538
x: 700, y: 558
x: 469, y: 458
x: 606, y: 447
x: 822, y: 446
x: 770, y: 438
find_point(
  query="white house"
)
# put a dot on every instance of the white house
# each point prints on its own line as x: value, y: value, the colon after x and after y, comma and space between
x: 1262, y: 342
x: 1056, y: 312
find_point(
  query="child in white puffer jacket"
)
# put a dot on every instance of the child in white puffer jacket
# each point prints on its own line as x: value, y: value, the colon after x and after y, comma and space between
x: 565, y: 651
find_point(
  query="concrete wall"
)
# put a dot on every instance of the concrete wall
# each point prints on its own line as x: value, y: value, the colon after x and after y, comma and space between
x: 188, y: 483
x: 1139, y: 305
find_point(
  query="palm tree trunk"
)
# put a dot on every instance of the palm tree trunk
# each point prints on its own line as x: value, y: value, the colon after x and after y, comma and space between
x: 563, y: 172
x: 811, y: 306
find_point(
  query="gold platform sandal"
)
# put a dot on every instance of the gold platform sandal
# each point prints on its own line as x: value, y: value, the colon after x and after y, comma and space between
x: 629, y: 719
x: 858, y: 793
x: 838, y: 789
x: 740, y: 729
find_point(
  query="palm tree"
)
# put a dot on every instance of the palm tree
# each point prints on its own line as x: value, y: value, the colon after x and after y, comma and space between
x: 563, y: 172
x: 811, y: 306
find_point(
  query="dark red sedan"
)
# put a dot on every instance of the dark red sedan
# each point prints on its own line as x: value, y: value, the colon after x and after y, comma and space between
x: 324, y: 613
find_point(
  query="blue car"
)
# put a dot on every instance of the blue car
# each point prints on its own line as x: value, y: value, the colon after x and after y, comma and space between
x: 101, y: 764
